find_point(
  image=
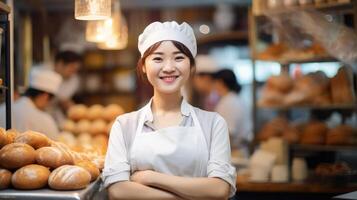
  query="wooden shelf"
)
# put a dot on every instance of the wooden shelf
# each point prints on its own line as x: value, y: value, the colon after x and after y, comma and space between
x: 4, y: 8
x: 225, y: 36
x: 321, y: 148
x: 327, y: 107
x: 285, y: 61
x: 244, y: 185
x: 333, y: 6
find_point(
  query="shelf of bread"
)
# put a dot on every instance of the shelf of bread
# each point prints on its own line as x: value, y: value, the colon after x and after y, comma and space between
x: 31, y: 161
x: 313, y: 135
x: 313, y: 90
x: 284, y: 54
x: 276, y: 7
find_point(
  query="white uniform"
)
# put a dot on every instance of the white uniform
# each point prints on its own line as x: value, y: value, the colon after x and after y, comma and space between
x: 27, y: 117
x: 235, y: 112
x: 199, y: 147
x: 67, y: 89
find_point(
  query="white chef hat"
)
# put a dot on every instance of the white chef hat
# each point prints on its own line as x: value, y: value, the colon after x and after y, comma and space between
x: 158, y: 31
x: 45, y: 80
x: 206, y: 64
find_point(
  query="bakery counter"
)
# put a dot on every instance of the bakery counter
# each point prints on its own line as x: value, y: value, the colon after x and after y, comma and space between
x: 49, y: 194
x: 288, y: 191
x: 292, y: 187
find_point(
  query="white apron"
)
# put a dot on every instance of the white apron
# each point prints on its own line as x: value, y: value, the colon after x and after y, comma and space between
x: 179, y: 151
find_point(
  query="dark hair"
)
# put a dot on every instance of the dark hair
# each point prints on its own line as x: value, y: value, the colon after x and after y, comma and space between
x: 229, y: 79
x: 33, y: 93
x: 68, y: 57
x: 182, y: 48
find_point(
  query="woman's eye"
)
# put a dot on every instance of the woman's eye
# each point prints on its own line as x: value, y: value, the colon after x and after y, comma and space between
x: 179, y: 58
x: 157, y: 59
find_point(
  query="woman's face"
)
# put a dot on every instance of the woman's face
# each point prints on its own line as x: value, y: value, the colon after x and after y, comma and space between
x: 167, y: 69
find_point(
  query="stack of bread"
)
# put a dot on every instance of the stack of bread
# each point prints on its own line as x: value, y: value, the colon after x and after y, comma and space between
x: 30, y: 160
x: 94, y: 120
x: 311, y: 133
x: 310, y: 89
x: 87, y: 128
x: 283, y: 52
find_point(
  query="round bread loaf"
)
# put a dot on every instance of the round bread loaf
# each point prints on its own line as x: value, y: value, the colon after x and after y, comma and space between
x: 16, y: 155
x: 34, y: 139
x: 83, y: 126
x: 283, y: 83
x: 52, y: 157
x: 69, y: 177
x: 314, y: 133
x: 98, y: 126
x: 98, y: 162
x: 95, y: 112
x: 5, y: 178
x: 30, y: 177
x: 111, y: 112
x: 77, y: 112
x: 340, y: 135
x: 91, y: 168
x: 4, y: 138
x: 69, y: 126
x: 12, y: 134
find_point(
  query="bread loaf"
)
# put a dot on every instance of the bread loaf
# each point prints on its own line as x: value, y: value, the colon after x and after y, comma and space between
x: 30, y: 177
x: 83, y: 126
x: 77, y: 112
x: 16, y: 155
x: 98, y: 162
x: 91, y: 168
x: 282, y: 83
x: 69, y: 126
x: 95, y: 112
x: 98, y: 126
x: 69, y: 177
x: 111, y: 112
x: 52, y: 157
x: 314, y: 133
x: 5, y: 178
x: 12, y: 134
x: 340, y: 135
x: 4, y: 139
x: 34, y: 139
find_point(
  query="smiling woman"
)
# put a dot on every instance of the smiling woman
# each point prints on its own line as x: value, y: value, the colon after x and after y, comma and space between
x: 169, y: 149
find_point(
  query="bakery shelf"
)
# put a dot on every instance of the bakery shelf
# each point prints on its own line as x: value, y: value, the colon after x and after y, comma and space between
x: 284, y: 61
x: 331, y: 6
x: 321, y: 148
x: 327, y: 107
x: 224, y: 36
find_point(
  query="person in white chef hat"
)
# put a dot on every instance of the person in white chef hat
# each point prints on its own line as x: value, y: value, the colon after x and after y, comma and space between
x: 29, y: 110
x: 168, y: 149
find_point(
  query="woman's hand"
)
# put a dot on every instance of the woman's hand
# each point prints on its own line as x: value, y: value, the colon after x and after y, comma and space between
x: 143, y: 177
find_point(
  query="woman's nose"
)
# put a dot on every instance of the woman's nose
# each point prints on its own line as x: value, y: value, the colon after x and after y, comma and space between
x: 168, y: 67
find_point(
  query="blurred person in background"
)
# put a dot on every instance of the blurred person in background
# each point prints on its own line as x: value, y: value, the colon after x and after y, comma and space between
x: 29, y: 110
x: 203, y: 94
x: 232, y: 108
x: 67, y: 64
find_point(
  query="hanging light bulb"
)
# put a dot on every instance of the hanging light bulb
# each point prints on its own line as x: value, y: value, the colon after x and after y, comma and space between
x: 98, y: 30
x: 116, y: 41
x: 92, y: 9
x: 116, y: 37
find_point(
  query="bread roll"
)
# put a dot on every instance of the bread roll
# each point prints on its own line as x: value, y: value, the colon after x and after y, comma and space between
x: 30, y: 177
x: 67, y: 138
x: 12, y: 134
x: 34, y: 139
x: 98, y: 161
x: 95, y: 112
x: 273, y: 128
x: 271, y: 97
x: 341, y: 87
x: 98, y: 126
x: 5, y: 178
x: 77, y: 112
x: 69, y: 126
x: 69, y: 177
x: 83, y: 126
x: 16, y: 155
x: 111, y: 112
x: 52, y: 157
x: 340, y: 135
x: 4, y: 139
x: 282, y: 83
x: 91, y: 168
x: 314, y: 133
x: 291, y: 135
